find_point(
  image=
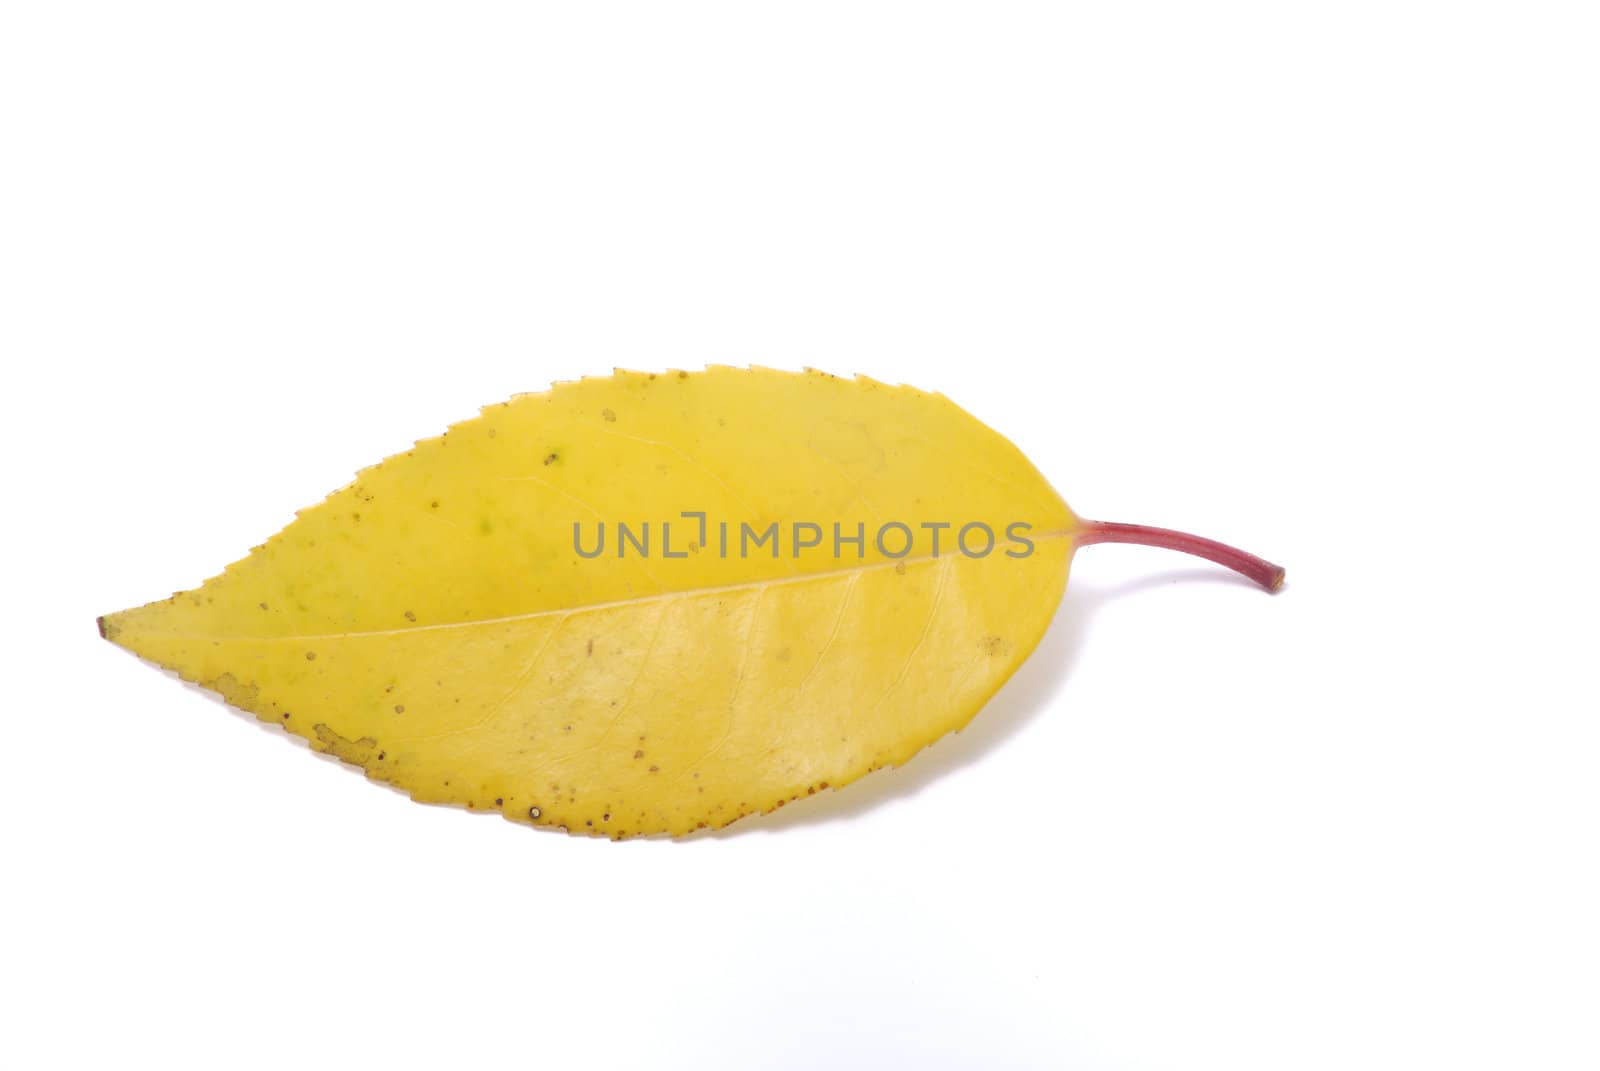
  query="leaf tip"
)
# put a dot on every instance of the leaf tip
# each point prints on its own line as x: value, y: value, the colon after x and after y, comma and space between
x: 110, y: 628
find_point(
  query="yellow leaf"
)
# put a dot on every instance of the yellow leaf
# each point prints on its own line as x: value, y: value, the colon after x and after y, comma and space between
x: 445, y: 623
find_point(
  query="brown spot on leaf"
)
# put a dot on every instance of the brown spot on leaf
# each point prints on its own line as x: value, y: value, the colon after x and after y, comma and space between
x: 237, y: 693
x: 355, y: 752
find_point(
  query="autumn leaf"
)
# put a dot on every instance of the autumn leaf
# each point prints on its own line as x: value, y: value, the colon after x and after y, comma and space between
x: 644, y: 603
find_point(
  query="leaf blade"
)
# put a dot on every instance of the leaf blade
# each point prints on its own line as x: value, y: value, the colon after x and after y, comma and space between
x: 630, y: 700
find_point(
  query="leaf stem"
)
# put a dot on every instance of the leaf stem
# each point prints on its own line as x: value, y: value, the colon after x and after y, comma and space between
x: 1263, y: 572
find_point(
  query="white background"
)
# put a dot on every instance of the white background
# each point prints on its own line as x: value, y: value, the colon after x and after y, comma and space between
x: 1318, y: 279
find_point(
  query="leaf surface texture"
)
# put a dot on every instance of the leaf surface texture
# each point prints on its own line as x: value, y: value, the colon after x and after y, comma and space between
x: 433, y: 623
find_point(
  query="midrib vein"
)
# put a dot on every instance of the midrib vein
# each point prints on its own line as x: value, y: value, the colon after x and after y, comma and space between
x: 641, y: 600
